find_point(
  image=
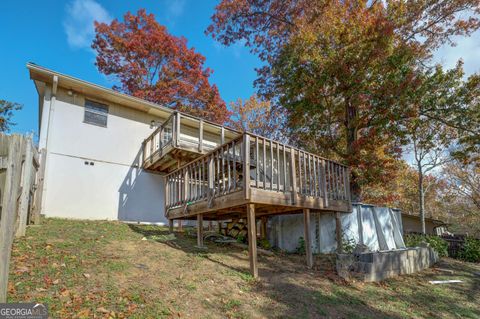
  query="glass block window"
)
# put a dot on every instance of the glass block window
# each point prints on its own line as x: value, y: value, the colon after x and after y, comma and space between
x: 96, y: 113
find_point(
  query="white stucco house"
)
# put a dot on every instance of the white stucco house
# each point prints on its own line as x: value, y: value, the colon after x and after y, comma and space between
x: 92, y: 139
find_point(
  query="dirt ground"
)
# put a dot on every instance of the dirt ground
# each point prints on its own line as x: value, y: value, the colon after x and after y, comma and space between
x: 109, y: 269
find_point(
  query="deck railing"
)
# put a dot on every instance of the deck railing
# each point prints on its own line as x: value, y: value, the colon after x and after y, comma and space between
x: 185, y: 132
x: 162, y: 136
x: 255, y: 162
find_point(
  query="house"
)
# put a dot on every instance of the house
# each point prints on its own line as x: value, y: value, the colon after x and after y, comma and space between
x: 92, y: 138
x: 108, y: 155
x: 412, y: 224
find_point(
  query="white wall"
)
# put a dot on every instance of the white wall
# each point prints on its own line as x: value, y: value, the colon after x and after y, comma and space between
x: 114, y: 187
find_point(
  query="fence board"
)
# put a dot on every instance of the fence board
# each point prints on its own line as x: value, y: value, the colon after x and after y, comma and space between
x: 9, y: 206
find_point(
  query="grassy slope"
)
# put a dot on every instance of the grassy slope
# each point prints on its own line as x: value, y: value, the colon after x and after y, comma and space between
x: 105, y: 269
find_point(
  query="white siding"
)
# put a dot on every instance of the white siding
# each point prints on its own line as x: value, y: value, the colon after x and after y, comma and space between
x: 114, y: 187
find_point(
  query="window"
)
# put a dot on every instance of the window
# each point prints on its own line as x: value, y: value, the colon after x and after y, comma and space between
x: 96, y: 113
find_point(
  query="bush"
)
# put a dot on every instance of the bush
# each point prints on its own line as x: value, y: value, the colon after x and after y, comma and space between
x: 301, y: 246
x: 470, y: 250
x: 437, y: 243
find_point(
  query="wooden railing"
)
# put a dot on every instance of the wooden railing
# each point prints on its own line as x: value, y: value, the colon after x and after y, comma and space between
x: 254, y: 162
x: 163, y: 135
x: 186, y: 132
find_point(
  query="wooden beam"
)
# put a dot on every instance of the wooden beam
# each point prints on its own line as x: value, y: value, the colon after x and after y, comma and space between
x: 308, y: 240
x: 26, y: 186
x: 39, y: 187
x: 200, y: 231
x: 9, y: 206
x: 338, y: 232
x: 293, y: 175
x: 246, y: 165
x: 177, y: 128
x: 200, y: 137
x: 170, y: 225
x: 252, y: 240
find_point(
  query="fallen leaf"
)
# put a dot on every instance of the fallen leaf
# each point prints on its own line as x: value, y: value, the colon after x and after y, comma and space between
x: 103, y: 310
x: 40, y: 289
x: 86, y: 275
x: 56, y: 281
x: 85, y: 313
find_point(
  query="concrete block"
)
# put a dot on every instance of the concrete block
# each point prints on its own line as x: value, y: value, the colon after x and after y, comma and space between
x: 366, y: 257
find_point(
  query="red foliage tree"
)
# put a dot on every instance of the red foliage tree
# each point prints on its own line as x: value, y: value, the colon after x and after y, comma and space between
x: 154, y: 65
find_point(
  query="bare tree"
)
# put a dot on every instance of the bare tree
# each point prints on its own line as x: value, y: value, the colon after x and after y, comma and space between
x: 430, y: 141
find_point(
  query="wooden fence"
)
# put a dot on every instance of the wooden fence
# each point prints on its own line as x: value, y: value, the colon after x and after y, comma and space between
x: 18, y: 179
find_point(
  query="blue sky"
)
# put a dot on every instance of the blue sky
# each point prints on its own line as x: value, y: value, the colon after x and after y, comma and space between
x: 57, y: 34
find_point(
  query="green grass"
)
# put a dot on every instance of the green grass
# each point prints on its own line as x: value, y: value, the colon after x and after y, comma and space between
x: 104, y: 269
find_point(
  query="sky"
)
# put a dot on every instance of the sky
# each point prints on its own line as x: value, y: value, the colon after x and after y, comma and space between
x: 57, y: 35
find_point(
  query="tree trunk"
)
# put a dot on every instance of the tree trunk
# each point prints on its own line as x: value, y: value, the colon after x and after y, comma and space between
x: 421, y: 198
x: 352, y: 137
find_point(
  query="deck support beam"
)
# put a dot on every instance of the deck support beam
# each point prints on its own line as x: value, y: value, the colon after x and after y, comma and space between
x: 170, y: 225
x: 308, y: 241
x: 200, y: 231
x: 252, y: 240
x: 338, y: 232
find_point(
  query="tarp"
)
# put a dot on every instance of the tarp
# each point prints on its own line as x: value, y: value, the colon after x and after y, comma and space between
x: 379, y: 228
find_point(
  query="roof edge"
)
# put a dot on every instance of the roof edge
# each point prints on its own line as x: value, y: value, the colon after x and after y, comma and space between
x: 43, y: 70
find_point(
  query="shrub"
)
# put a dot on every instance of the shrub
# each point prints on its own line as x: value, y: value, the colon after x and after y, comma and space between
x: 348, y: 244
x: 301, y: 246
x: 470, y: 250
x: 437, y: 243
x: 265, y: 244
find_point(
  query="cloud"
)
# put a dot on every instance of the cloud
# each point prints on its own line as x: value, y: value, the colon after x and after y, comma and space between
x: 78, y: 23
x: 175, y: 8
x: 467, y: 49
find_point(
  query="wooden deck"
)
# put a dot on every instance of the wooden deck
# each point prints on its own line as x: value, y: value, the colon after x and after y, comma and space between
x: 248, y: 177
x: 181, y: 139
x: 254, y: 170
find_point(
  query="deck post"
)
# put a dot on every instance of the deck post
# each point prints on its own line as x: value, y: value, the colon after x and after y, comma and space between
x: 180, y: 225
x: 170, y: 225
x: 308, y: 241
x: 200, y: 231
x: 338, y: 232
x: 176, y: 131
x: 252, y: 240
x: 211, y: 181
x: 293, y: 175
x: 246, y: 165
x: 200, y: 137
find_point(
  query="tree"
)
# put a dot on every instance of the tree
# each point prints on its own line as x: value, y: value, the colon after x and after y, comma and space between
x: 6, y: 113
x: 463, y: 194
x: 156, y: 66
x: 442, y: 104
x: 258, y: 117
x: 343, y: 70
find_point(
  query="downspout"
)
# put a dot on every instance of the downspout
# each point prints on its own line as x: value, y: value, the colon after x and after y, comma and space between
x: 46, y: 146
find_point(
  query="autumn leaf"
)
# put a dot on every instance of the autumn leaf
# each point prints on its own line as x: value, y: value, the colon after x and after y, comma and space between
x: 154, y: 65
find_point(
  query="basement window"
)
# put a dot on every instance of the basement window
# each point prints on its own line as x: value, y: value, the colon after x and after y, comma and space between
x: 95, y: 113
